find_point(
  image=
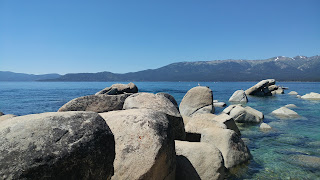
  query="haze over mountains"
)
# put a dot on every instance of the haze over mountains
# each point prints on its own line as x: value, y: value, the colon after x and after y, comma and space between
x: 299, y: 68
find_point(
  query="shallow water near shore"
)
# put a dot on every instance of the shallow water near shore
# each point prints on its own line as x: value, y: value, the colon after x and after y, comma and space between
x: 277, y: 154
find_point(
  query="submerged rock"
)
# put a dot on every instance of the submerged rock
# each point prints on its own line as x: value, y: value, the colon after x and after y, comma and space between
x: 160, y: 103
x: 233, y: 149
x: 239, y: 96
x: 305, y: 161
x: 285, y: 113
x: 290, y: 106
x: 144, y: 144
x: 195, y: 100
x: 56, y: 145
x: 311, y: 96
x: 243, y: 114
x: 197, y: 160
x: 95, y: 103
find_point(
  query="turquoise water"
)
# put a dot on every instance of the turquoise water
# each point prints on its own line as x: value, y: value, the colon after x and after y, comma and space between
x: 274, y: 152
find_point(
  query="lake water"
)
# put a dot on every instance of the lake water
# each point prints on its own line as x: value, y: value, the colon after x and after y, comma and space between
x: 276, y: 153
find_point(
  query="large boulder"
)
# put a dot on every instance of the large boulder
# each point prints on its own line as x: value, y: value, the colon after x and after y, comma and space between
x: 285, y: 112
x: 95, y: 103
x: 263, y: 88
x: 144, y: 144
x: 198, y: 122
x: 243, y: 114
x: 171, y: 98
x: 197, y: 100
x: 119, y: 89
x: 311, y: 96
x: 160, y: 103
x: 239, y: 96
x: 57, y: 145
x: 7, y: 116
x: 197, y: 160
x: 233, y: 149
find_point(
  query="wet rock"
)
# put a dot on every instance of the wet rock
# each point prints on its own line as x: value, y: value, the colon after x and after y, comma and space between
x: 57, y: 145
x: 95, y: 103
x: 239, y: 96
x: 160, y: 103
x: 243, y: 114
x: 311, y: 96
x: 195, y: 99
x: 196, y: 160
x: 233, y: 149
x: 144, y: 144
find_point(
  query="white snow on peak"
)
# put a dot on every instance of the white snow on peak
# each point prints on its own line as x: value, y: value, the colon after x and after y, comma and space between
x: 276, y: 59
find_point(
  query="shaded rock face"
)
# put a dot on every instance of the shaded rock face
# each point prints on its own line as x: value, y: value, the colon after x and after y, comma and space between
x: 59, y: 145
x: 243, y: 114
x: 144, y: 144
x: 264, y: 88
x: 285, y: 112
x: 1, y: 113
x: 7, y: 116
x: 239, y: 96
x: 311, y: 96
x: 116, y: 89
x: 198, y: 99
x: 95, y: 103
x: 196, y: 160
x: 233, y: 149
x: 160, y: 103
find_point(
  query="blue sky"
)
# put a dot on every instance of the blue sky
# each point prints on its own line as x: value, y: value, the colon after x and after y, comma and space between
x: 45, y: 36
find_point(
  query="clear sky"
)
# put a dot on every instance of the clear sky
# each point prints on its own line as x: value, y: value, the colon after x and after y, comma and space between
x: 69, y: 36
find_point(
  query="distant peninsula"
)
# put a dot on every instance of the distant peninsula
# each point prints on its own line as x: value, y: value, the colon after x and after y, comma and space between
x: 299, y: 68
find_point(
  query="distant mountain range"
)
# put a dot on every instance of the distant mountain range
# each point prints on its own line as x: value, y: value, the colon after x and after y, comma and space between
x: 299, y: 68
x: 11, y: 76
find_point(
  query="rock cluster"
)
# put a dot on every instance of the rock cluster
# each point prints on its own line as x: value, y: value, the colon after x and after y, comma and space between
x: 243, y: 114
x: 265, y: 88
x: 134, y: 136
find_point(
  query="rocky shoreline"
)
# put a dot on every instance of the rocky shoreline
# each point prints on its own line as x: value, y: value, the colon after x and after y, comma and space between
x: 120, y: 133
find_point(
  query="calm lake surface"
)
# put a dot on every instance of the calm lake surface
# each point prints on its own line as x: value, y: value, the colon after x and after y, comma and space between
x: 277, y: 154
